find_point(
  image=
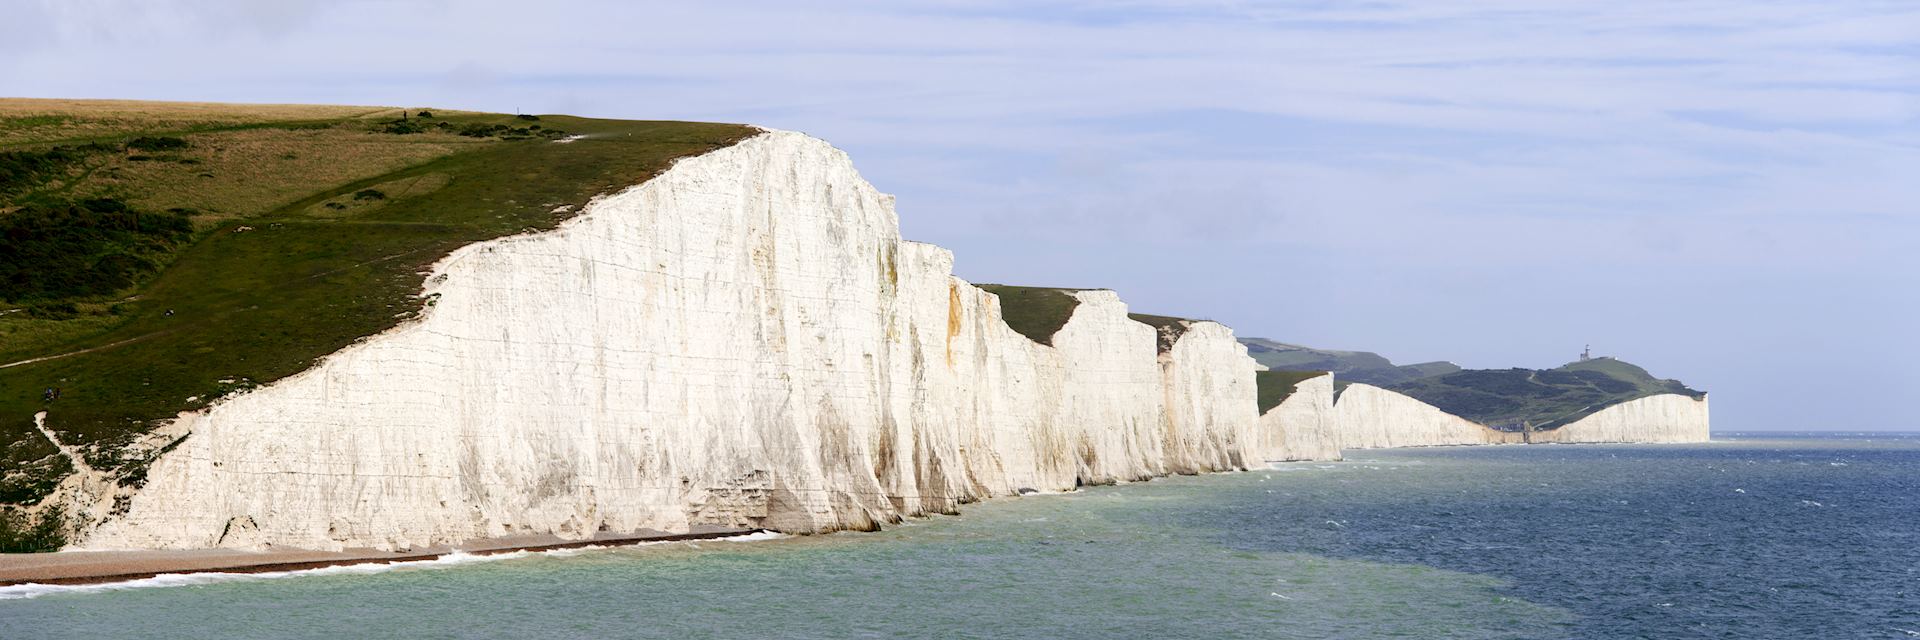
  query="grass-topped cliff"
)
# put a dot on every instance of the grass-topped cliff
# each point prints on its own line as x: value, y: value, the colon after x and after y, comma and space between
x: 1347, y: 366
x: 1500, y: 398
x: 1166, y: 329
x: 158, y: 256
x: 1507, y: 399
x: 1034, y: 312
x: 1274, y: 387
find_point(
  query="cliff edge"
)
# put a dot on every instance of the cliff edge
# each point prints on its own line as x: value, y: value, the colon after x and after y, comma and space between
x: 743, y: 340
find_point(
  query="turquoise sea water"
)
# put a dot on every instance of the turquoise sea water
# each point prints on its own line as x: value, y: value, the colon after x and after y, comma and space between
x: 1750, y: 537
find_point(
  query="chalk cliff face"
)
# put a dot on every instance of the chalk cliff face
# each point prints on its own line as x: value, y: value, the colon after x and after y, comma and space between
x: 1304, y: 425
x: 1212, y: 404
x: 1369, y: 417
x: 743, y: 340
x: 1669, y: 418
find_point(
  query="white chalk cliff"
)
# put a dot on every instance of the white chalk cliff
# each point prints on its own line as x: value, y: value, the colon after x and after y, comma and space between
x: 743, y: 340
x: 1303, y: 426
x: 1312, y: 425
x: 1369, y: 417
x: 1666, y: 418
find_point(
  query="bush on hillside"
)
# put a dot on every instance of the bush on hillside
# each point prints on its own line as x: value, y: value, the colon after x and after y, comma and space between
x: 482, y: 130
x: 404, y: 127
x: 53, y: 311
x: 91, y: 248
x: 157, y: 143
x: 20, y: 533
x: 19, y: 169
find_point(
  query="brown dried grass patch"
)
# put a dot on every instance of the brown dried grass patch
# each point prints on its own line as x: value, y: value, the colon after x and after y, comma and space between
x: 252, y: 172
x: 39, y: 120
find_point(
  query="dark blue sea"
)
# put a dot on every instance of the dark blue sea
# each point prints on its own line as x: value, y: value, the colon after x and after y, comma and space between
x: 1757, y: 536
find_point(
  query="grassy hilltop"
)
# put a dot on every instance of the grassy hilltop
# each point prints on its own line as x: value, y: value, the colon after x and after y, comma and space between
x: 1546, y: 398
x: 1500, y: 398
x: 158, y: 256
x: 1347, y: 366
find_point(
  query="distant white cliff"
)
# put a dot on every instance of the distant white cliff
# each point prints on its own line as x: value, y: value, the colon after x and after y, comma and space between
x: 1312, y: 425
x: 1303, y: 426
x: 743, y: 340
x: 1369, y: 417
x: 1668, y: 418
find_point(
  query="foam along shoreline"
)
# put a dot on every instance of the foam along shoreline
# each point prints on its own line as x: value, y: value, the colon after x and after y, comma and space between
x: 19, y: 573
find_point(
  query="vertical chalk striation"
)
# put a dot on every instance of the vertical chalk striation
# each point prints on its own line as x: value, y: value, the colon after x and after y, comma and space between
x: 743, y: 340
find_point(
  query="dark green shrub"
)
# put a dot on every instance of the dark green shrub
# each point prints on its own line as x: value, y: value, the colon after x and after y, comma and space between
x: 105, y: 205
x: 527, y: 116
x: 52, y: 311
x: 404, y: 127
x: 92, y: 248
x: 425, y: 114
x: 369, y: 194
x: 483, y: 130
x: 157, y: 143
x: 20, y: 169
x: 20, y: 533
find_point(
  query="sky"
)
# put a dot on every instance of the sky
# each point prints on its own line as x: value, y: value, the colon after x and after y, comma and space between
x: 1727, y: 193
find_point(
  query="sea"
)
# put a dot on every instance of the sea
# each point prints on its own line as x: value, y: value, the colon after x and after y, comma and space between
x: 1751, y: 536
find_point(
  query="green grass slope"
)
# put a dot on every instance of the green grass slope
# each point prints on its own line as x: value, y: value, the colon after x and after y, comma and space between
x: 1347, y: 366
x: 158, y: 256
x: 1549, y: 398
x: 1275, y: 386
x: 1034, y: 312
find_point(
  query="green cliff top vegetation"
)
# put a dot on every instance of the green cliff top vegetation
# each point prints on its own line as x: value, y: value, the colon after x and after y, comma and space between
x: 158, y: 256
x: 1034, y: 312
x: 1507, y: 399
x: 1275, y: 386
x: 1347, y: 366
